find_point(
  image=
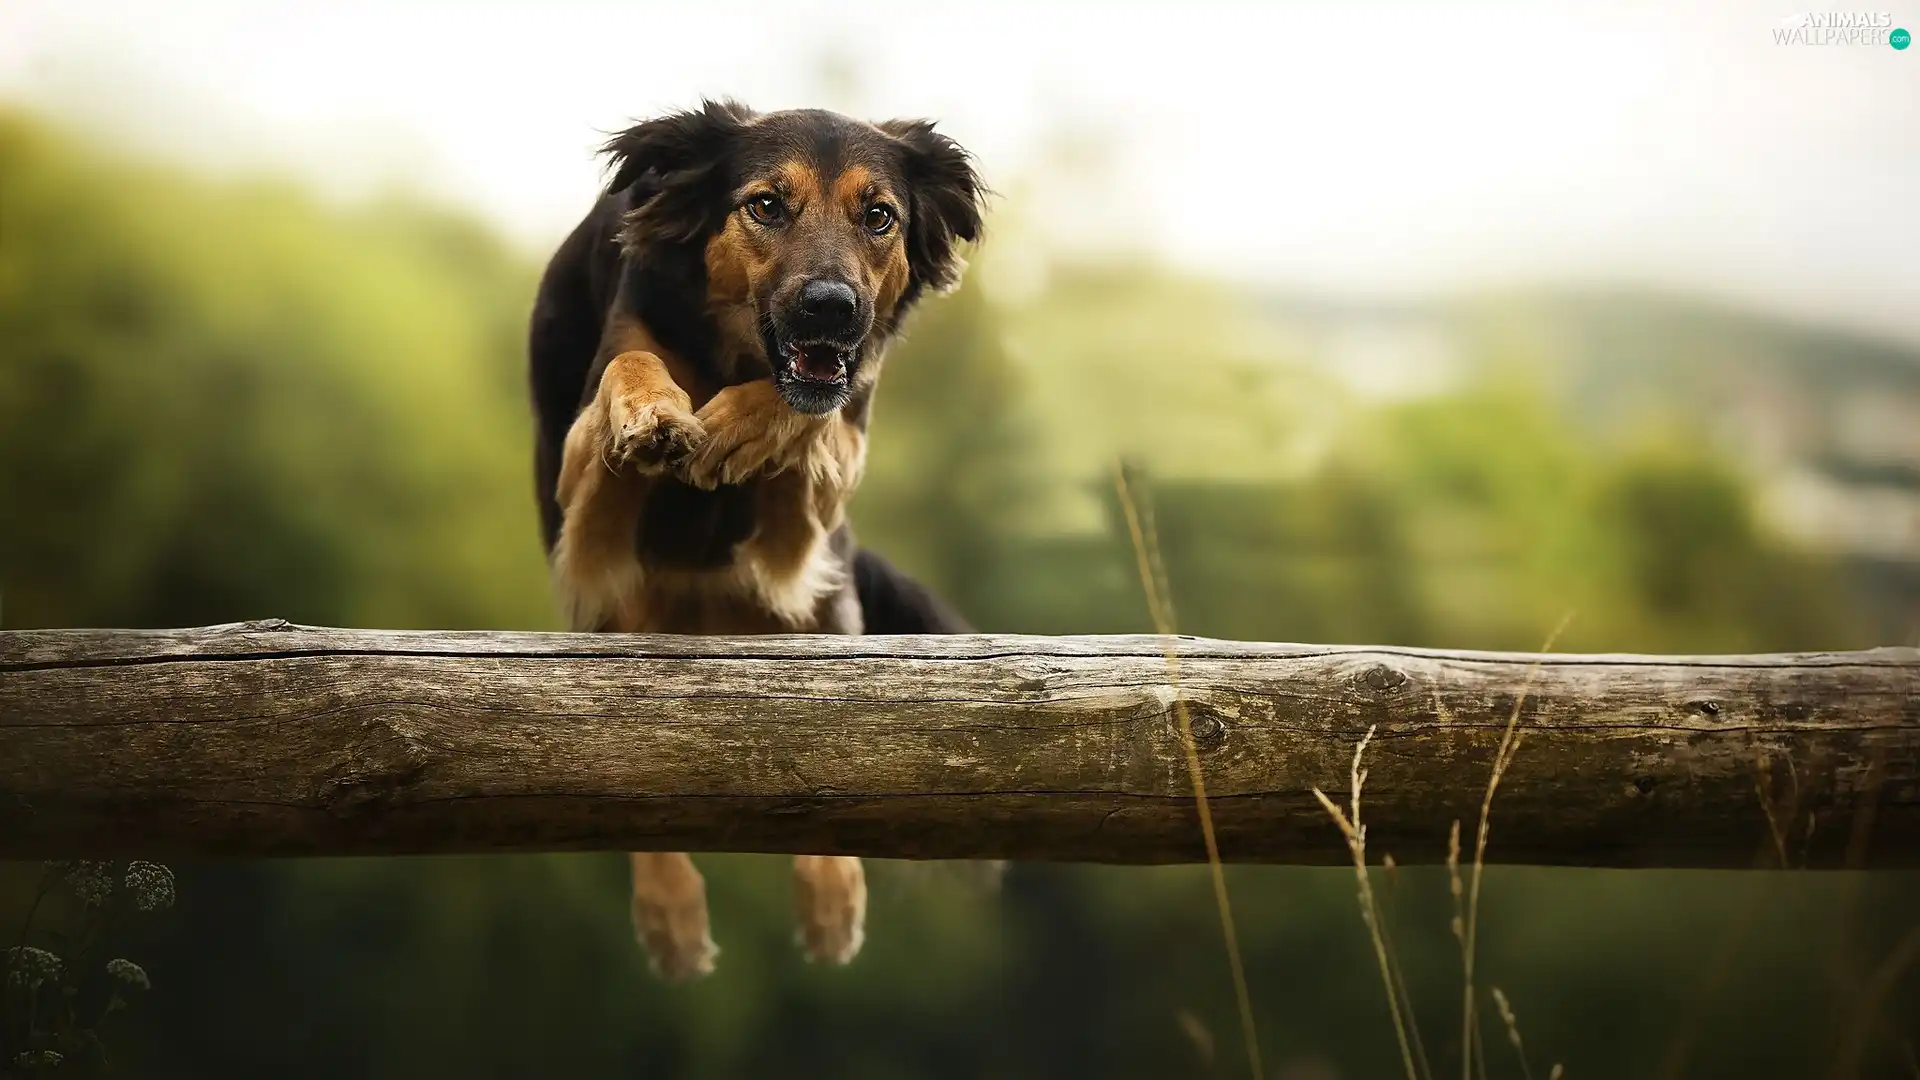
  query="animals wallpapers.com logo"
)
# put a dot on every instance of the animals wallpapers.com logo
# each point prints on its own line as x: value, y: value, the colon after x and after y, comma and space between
x: 1841, y: 28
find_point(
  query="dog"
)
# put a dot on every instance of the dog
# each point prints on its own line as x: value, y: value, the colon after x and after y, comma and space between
x: 704, y: 349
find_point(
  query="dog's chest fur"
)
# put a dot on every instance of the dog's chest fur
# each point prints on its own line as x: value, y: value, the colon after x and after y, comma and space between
x: 740, y: 559
x: 683, y: 528
x: 655, y: 555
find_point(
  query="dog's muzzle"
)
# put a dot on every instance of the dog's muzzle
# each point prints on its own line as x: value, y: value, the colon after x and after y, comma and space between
x: 815, y: 348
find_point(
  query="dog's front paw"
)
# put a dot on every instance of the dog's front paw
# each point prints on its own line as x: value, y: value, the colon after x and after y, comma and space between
x: 653, y: 437
x: 830, y: 898
x: 749, y: 432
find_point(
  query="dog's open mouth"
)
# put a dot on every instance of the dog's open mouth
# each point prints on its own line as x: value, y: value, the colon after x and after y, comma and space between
x: 815, y: 376
x: 820, y: 361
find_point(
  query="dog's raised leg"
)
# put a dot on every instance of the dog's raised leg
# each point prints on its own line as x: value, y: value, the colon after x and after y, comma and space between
x: 638, y: 417
x: 750, y: 432
x: 639, y: 423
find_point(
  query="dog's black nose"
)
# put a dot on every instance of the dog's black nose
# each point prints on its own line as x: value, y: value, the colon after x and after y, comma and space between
x: 828, y: 306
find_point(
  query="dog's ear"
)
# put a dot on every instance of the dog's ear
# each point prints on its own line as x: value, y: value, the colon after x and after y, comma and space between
x: 669, y: 167
x: 945, y: 198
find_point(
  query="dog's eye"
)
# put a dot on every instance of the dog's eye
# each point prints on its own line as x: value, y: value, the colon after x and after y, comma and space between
x: 879, y: 219
x: 766, y: 209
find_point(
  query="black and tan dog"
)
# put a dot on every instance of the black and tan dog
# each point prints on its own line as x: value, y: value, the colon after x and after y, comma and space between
x: 705, y: 347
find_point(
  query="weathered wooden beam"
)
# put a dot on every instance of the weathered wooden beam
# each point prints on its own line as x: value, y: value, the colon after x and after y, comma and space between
x: 265, y: 739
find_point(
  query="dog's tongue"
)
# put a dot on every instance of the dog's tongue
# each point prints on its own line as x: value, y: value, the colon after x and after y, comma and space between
x: 822, y: 363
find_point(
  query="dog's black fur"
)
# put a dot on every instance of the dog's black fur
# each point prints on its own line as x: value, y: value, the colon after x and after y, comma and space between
x: 641, y: 252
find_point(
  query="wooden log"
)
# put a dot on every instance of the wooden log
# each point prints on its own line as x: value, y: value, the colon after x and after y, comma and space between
x: 269, y: 739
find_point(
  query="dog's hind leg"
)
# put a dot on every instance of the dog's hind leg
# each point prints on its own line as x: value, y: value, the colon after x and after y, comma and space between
x: 893, y: 603
x: 670, y: 915
x: 830, y: 898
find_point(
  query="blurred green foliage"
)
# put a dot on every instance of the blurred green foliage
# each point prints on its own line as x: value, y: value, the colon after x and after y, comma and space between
x: 221, y: 401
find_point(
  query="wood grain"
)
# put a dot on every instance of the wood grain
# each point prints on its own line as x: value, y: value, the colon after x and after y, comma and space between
x: 269, y: 739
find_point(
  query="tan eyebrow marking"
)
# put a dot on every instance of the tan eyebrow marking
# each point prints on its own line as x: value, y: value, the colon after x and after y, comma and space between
x: 800, y: 179
x: 855, y: 187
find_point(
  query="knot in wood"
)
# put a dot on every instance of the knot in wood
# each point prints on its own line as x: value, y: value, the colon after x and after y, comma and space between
x: 1382, y: 679
x: 1205, y: 724
x: 387, y: 758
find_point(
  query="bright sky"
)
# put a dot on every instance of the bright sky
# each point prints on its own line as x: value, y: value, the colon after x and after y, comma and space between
x: 1380, y: 147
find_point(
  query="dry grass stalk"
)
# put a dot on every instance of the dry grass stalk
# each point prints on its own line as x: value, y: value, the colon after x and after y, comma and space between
x: 1355, y: 832
x: 1866, y: 809
x: 1469, y: 932
x: 1400, y: 979
x: 1763, y: 787
x: 1454, y: 885
x: 1677, y: 1059
x: 1469, y: 1055
x: 1513, y: 1031
x: 1392, y: 872
x: 1153, y: 578
x: 1196, y: 1032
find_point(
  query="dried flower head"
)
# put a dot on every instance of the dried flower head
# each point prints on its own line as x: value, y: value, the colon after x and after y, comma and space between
x: 130, y: 973
x: 150, y: 884
x: 92, y: 881
x: 30, y: 967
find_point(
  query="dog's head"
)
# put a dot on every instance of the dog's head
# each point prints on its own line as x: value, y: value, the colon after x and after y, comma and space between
x: 816, y: 232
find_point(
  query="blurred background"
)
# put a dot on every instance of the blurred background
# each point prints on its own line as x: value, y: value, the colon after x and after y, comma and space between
x: 1425, y: 324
